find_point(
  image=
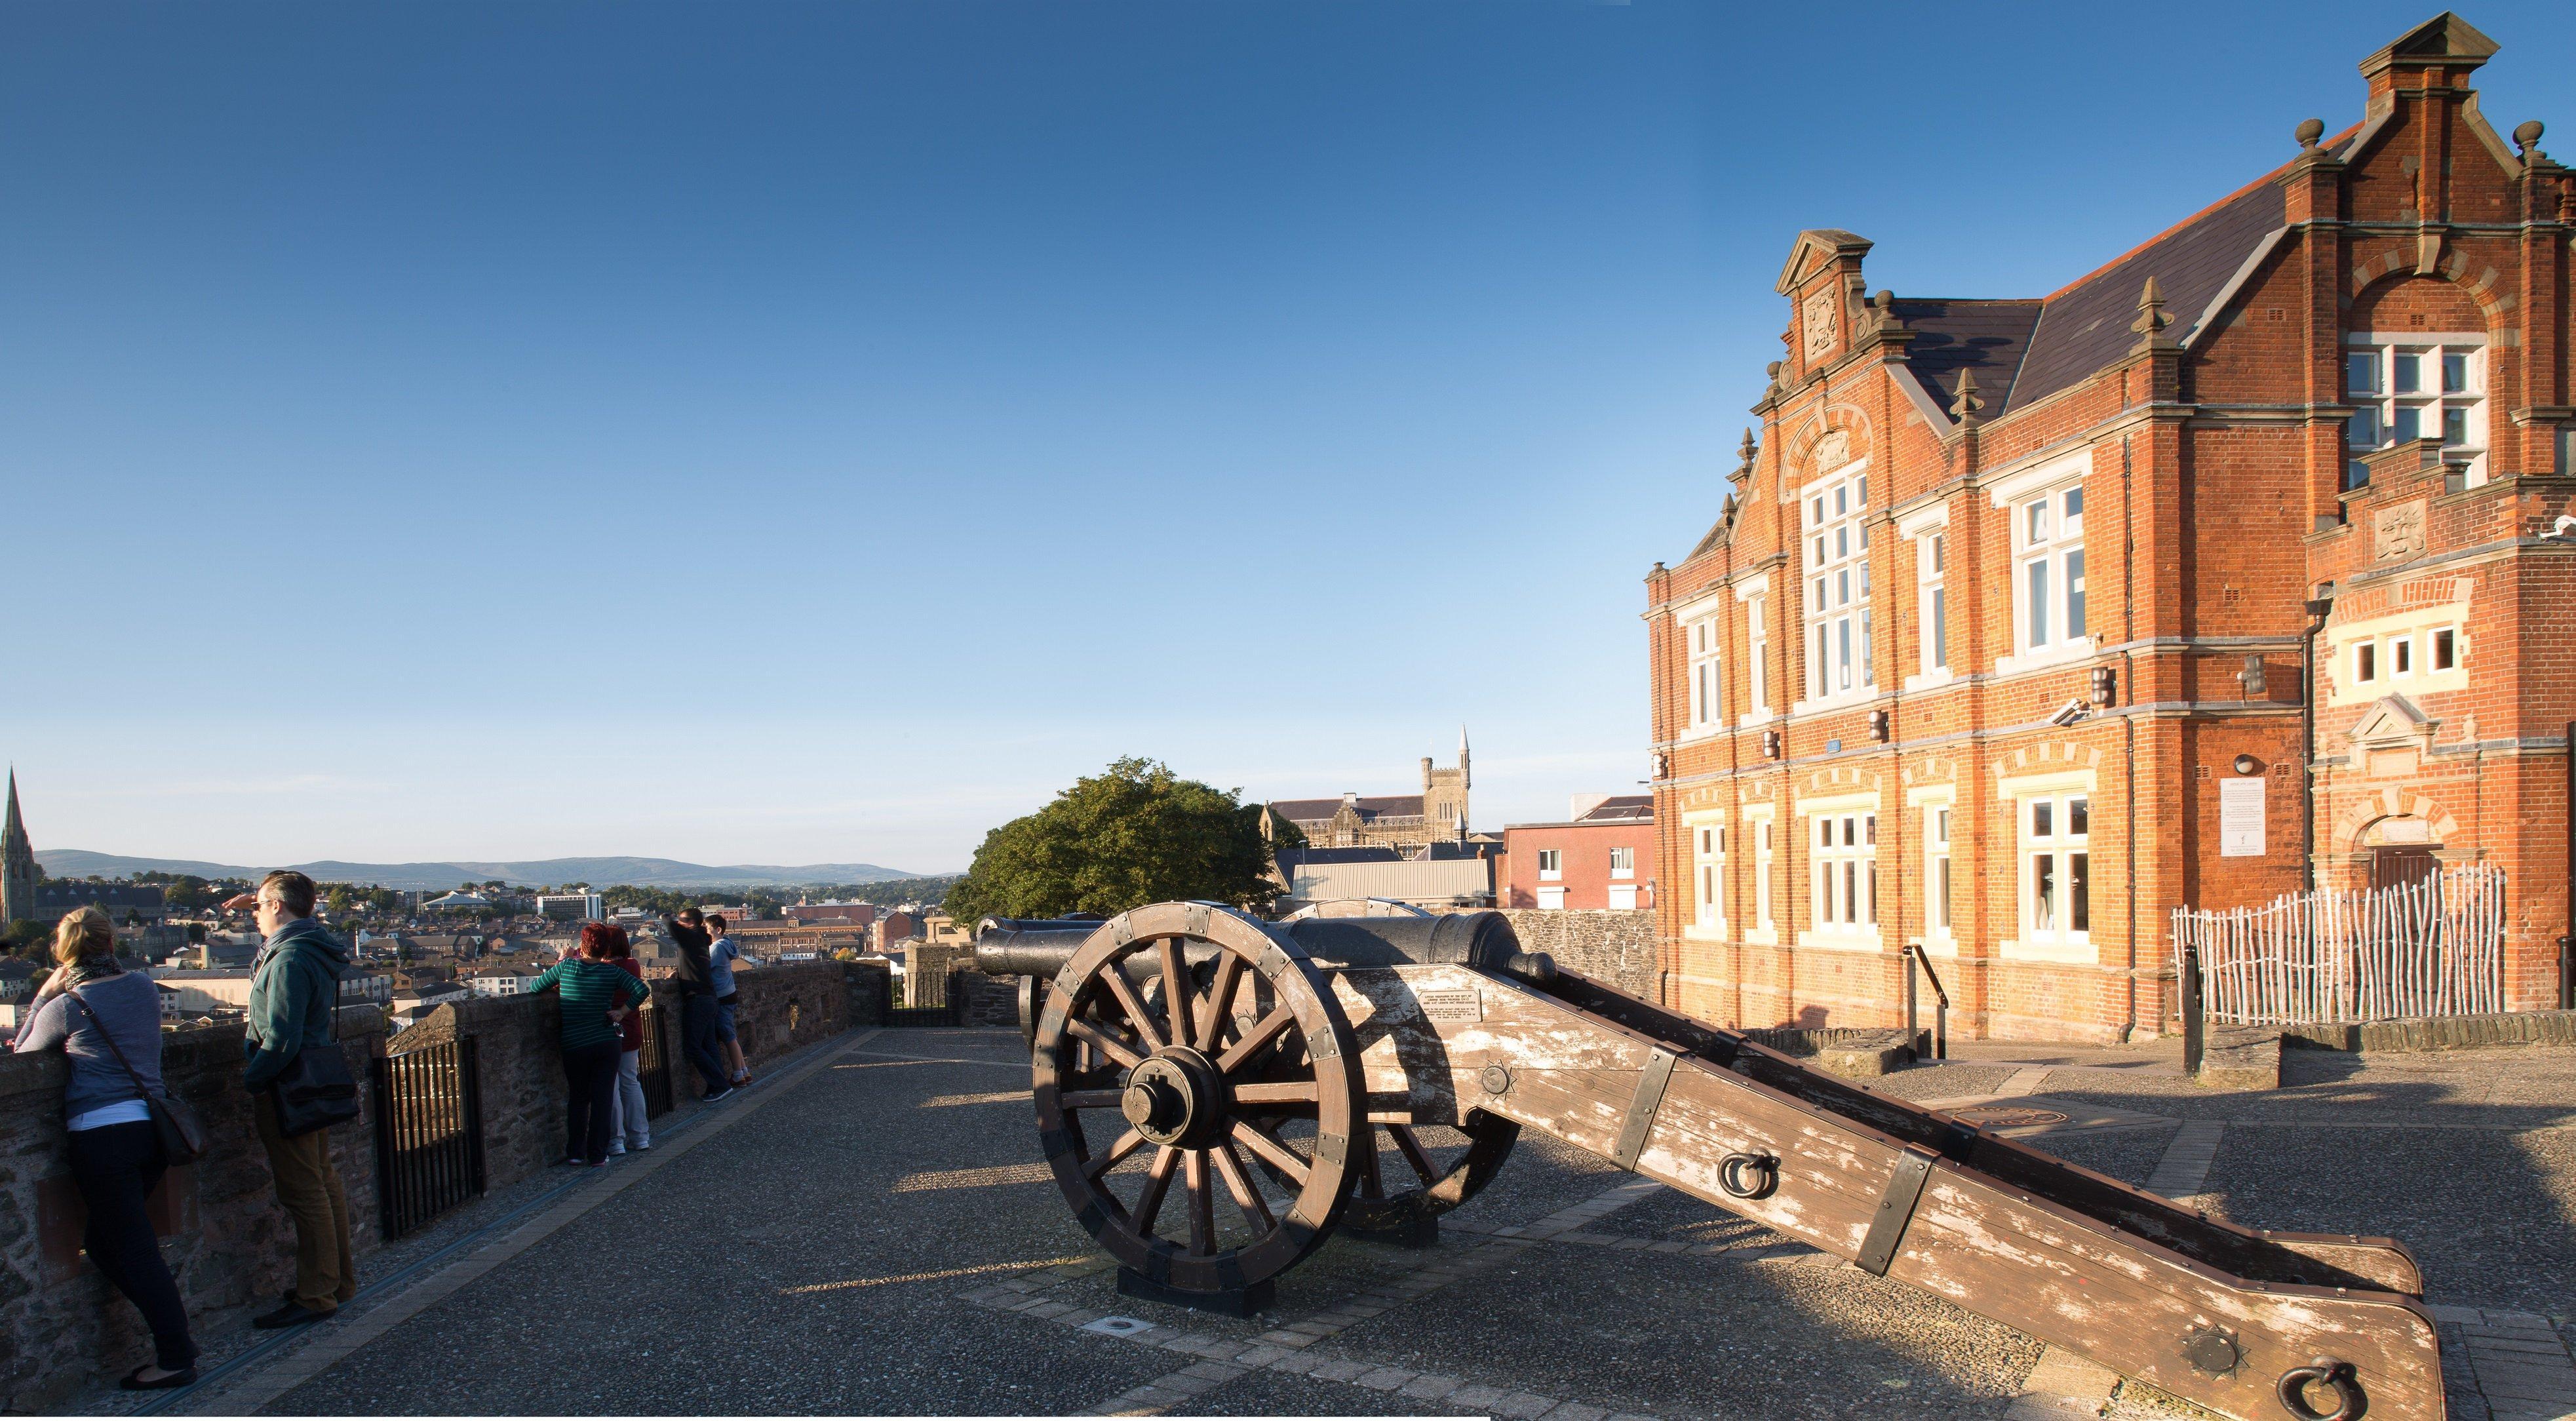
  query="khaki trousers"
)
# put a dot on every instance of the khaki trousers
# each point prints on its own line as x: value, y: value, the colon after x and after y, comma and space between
x: 309, y: 1188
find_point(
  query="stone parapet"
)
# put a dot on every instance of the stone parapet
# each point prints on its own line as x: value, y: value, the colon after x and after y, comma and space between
x: 228, y: 1242
x: 1616, y: 946
x: 2441, y: 1033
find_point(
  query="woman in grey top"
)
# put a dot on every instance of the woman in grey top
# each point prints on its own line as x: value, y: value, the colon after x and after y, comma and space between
x: 115, y: 1150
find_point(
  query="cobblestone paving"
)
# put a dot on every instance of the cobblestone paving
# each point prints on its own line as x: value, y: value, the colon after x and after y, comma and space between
x: 778, y: 1270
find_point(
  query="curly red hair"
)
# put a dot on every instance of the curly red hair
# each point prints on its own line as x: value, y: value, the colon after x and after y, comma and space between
x: 604, y: 942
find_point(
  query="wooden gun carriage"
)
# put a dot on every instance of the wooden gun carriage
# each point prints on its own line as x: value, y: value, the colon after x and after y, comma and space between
x: 1211, y: 1090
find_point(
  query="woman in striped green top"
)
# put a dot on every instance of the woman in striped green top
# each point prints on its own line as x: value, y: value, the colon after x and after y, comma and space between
x: 596, y: 998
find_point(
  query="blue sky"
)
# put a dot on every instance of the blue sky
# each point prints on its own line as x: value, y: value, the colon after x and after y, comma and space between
x: 794, y: 433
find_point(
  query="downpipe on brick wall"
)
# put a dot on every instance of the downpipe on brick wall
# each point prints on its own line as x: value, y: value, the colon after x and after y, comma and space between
x: 2318, y: 607
x: 2129, y: 723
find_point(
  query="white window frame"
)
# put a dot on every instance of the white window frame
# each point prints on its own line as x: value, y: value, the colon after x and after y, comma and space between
x: 2422, y: 630
x: 1755, y: 594
x: 1705, y: 690
x: 2374, y: 367
x: 1552, y: 898
x: 1940, y: 886
x: 2401, y: 658
x: 1833, y: 544
x: 1623, y: 861
x: 2441, y: 649
x: 1551, y: 865
x: 1763, y: 929
x: 2365, y: 662
x: 1708, y: 875
x: 2056, y: 868
x: 1842, y: 845
x: 1700, y: 626
x: 1932, y: 602
x: 2054, y: 543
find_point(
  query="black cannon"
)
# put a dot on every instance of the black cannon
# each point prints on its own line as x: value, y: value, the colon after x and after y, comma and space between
x: 1186, y: 1051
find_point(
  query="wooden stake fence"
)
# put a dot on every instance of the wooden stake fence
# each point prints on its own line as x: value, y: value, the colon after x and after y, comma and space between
x: 2433, y: 948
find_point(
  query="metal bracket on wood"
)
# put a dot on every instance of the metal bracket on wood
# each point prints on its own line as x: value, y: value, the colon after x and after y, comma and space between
x: 1642, y: 1107
x: 1895, y: 1209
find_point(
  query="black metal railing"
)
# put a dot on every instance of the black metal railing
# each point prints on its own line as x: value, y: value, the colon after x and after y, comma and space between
x: 927, y: 999
x: 429, y: 1133
x: 653, y: 1067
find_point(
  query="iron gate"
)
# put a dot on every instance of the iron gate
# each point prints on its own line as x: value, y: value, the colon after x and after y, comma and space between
x: 429, y: 1133
x: 653, y: 1067
x: 928, y: 1000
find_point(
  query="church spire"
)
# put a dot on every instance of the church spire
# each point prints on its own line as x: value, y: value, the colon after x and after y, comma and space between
x: 17, y: 862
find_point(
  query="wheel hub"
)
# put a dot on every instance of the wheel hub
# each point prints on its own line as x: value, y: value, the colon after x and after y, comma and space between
x: 1174, y: 1098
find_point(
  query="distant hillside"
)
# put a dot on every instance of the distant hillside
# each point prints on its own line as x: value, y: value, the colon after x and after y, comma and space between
x: 598, y: 872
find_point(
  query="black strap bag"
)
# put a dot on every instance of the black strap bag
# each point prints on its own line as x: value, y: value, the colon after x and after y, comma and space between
x: 316, y: 1091
x: 183, y: 1135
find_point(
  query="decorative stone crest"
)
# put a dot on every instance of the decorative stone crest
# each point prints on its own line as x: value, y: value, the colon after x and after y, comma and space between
x: 1831, y: 452
x: 1820, y: 333
x: 2397, y: 534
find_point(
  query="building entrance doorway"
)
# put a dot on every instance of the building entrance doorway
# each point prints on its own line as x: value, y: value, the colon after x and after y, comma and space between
x: 2398, y: 865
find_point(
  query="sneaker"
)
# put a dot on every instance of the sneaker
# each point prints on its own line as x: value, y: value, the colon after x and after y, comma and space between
x: 575, y: 1159
x: 615, y: 1150
x: 717, y: 1094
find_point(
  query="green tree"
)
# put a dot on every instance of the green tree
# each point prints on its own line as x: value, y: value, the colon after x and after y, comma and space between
x: 1131, y: 835
x: 30, y: 939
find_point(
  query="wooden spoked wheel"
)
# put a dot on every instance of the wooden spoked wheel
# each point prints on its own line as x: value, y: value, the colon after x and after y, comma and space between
x: 1183, y: 1050
x: 1440, y: 1170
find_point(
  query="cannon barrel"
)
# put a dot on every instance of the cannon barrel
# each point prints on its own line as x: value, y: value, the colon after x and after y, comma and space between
x: 1039, y: 947
x: 1029, y: 947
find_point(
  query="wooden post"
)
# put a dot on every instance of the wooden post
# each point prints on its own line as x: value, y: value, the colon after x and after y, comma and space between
x: 2194, y: 1030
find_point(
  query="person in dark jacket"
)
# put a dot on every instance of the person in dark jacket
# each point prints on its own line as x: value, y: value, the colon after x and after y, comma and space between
x: 695, y: 978
x: 294, y: 988
x: 116, y: 1156
x: 596, y: 999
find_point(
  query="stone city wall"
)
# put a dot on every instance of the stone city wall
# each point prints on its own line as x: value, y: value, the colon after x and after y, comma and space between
x: 228, y: 1242
x: 1615, y: 946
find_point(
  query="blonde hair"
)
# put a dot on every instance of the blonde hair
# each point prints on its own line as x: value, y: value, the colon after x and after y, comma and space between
x: 83, y: 932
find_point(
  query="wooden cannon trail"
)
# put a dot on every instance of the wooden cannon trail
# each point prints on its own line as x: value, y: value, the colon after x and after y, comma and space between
x: 1211, y: 1091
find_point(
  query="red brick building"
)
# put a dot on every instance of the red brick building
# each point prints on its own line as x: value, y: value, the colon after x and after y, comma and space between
x: 1602, y: 857
x: 2014, y: 600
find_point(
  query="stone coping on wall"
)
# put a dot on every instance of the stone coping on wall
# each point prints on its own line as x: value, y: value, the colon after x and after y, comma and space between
x: 228, y: 1242
x: 2439, y: 1033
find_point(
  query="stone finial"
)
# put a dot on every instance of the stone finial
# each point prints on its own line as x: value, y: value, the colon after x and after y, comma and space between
x: 1884, y: 304
x: 1772, y: 370
x: 1744, y: 459
x: 2526, y: 136
x: 2308, y: 132
x: 1965, y: 406
x: 2152, y: 324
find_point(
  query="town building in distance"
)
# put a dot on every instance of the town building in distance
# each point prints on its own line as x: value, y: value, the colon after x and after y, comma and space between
x: 1600, y: 857
x: 1403, y: 822
x: 2238, y: 565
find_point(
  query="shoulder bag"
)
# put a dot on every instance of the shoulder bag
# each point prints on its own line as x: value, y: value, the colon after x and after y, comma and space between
x: 316, y: 1091
x: 183, y: 1135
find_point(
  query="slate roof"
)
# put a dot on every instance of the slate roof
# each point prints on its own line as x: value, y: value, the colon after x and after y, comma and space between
x: 2026, y: 350
x: 1620, y: 809
x: 1370, y: 807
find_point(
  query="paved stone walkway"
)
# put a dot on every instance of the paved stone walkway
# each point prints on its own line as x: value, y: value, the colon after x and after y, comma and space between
x: 866, y: 1235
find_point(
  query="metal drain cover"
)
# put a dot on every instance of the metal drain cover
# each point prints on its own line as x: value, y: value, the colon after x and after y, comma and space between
x: 2008, y: 1117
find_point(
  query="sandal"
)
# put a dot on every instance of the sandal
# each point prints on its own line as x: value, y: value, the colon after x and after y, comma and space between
x: 133, y: 1380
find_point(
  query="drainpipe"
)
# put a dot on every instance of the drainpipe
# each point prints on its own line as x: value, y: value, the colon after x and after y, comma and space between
x: 2318, y: 608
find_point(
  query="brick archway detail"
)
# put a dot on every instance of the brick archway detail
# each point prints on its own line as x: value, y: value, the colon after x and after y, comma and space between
x: 1836, y: 779
x: 1931, y: 769
x: 2486, y: 288
x: 1847, y: 420
x: 2391, y: 802
x: 2041, y: 756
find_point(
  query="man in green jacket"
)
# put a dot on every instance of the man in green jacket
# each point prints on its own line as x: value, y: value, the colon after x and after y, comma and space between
x: 294, y: 988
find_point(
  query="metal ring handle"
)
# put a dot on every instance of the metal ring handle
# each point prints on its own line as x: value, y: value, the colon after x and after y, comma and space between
x: 2333, y: 1372
x: 1766, y: 1175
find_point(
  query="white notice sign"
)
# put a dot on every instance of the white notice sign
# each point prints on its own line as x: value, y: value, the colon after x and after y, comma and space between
x: 2240, y: 817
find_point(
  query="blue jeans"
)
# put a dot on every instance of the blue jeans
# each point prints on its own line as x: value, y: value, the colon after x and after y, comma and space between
x: 724, y: 1018
x: 698, y: 1040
